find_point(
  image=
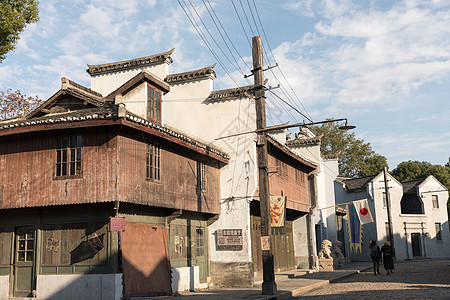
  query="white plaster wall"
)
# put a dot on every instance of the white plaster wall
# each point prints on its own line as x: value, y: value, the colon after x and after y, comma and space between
x: 329, y: 172
x: 300, y: 237
x: 186, y: 279
x: 4, y: 287
x: 433, y: 247
x: 185, y: 108
x: 107, y: 83
x: 135, y: 100
x: 82, y: 286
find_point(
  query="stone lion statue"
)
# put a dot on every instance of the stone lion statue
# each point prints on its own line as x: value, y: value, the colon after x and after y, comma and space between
x: 336, y: 253
x: 325, y: 252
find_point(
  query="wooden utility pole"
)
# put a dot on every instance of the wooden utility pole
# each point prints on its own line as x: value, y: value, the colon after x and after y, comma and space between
x: 269, y: 287
x: 388, y: 207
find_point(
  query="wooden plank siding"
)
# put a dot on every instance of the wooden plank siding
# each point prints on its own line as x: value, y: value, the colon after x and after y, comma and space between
x: 27, y: 170
x: 113, y: 168
x: 178, y: 185
x: 284, y: 181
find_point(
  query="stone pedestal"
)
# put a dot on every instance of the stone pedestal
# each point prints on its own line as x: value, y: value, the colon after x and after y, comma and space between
x: 325, y: 265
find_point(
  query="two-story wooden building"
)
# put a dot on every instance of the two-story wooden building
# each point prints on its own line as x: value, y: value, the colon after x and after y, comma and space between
x: 87, y: 193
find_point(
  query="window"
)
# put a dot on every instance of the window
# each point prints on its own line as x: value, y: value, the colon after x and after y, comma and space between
x: 68, y: 155
x: 384, y: 199
x: 299, y: 176
x: 200, y: 238
x: 153, y: 162
x: 386, y: 225
x: 153, y: 104
x: 201, y: 176
x: 435, y: 201
x: 438, y: 227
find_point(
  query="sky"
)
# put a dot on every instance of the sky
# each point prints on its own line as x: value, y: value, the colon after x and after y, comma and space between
x: 384, y: 65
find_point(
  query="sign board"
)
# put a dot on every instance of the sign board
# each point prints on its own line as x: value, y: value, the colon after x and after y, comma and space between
x: 229, y: 239
x: 265, y: 243
x: 116, y: 224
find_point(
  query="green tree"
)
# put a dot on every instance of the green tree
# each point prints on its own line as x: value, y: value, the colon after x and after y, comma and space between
x: 411, y: 170
x: 356, y: 159
x: 14, y: 104
x: 14, y: 17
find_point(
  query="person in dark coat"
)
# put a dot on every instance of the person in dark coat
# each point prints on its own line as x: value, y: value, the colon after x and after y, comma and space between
x: 375, y: 254
x: 388, y: 253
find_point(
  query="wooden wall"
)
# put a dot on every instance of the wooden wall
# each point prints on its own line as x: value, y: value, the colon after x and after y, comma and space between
x: 283, y: 180
x: 177, y: 187
x: 113, y: 167
x: 27, y: 170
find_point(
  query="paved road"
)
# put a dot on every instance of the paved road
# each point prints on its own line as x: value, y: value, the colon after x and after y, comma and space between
x: 424, y: 279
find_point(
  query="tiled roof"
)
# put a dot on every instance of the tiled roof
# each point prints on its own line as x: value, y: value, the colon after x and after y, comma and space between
x: 129, y: 64
x: 411, y: 186
x: 140, y: 77
x: 287, y: 150
x: 230, y: 94
x: 68, y: 87
x: 331, y: 156
x: 357, y: 184
x: 202, y: 73
x: 314, y: 141
x: 109, y: 111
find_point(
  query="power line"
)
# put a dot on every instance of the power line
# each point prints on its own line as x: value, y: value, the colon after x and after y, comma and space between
x: 196, y: 27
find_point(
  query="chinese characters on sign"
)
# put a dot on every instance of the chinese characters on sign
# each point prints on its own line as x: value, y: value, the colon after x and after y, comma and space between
x: 229, y: 239
x: 277, y: 211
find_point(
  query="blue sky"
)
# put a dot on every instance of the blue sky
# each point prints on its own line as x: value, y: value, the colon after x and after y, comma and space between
x: 385, y: 65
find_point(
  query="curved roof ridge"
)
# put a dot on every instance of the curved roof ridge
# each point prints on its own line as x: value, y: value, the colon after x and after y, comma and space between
x: 129, y: 64
x: 230, y: 94
x: 206, y: 72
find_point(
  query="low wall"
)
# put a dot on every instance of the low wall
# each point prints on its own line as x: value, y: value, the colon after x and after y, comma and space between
x: 4, y: 287
x: 232, y: 274
x: 186, y: 279
x: 79, y: 286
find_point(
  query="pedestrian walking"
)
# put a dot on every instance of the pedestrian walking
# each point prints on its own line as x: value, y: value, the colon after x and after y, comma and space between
x: 375, y: 254
x: 388, y: 253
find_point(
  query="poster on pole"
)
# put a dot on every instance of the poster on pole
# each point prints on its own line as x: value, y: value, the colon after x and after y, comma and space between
x: 277, y: 211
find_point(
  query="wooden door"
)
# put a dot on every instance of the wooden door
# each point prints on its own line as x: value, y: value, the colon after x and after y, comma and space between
x: 23, y: 278
x: 256, y: 244
x: 201, y: 258
x: 415, y: 239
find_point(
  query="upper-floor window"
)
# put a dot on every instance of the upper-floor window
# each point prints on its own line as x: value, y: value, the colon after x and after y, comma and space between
x: 201, y: 176
x: 68, y: 155
x: 153, y: 162
x: 435, y: 201
x: 438, y: 227
x: 153, y: 104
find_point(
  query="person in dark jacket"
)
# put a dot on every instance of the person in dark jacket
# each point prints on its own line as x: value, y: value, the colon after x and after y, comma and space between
x: 388, y: 253
x: 375, y: 254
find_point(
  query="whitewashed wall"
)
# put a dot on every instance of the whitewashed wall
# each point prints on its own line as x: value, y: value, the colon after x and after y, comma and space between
x: 107, y: 83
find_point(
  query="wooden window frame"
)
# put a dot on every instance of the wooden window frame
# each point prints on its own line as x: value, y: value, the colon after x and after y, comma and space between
x: 154, y: 104
x: 69, y: 156
x: 201, y: 175
x: 153, y: 162
x: 438, y: 228
x: 435, y: 201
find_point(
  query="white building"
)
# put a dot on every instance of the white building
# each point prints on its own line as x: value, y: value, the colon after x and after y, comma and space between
x: 418, y: 214
x: 193, y: 107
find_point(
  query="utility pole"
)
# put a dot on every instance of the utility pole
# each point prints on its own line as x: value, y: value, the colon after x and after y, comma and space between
x: 388, y: 207
x: 269, y: 287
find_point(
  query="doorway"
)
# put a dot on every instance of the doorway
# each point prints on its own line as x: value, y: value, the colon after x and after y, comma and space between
x: 23, y: 276
x: 415, y: 240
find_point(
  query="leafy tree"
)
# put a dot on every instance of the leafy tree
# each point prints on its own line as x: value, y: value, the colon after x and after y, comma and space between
x: 411, y: 170
x: 14, y: 16
x: 14, y: 104
x: 357, y: 159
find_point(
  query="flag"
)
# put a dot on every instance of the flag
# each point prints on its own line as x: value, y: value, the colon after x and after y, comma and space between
x: 277, y: 211
x: 363, y: 211
x: 354, y: 229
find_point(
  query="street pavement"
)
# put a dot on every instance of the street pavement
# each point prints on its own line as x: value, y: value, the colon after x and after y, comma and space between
x: 419, y: 279
x: 416, y: 279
